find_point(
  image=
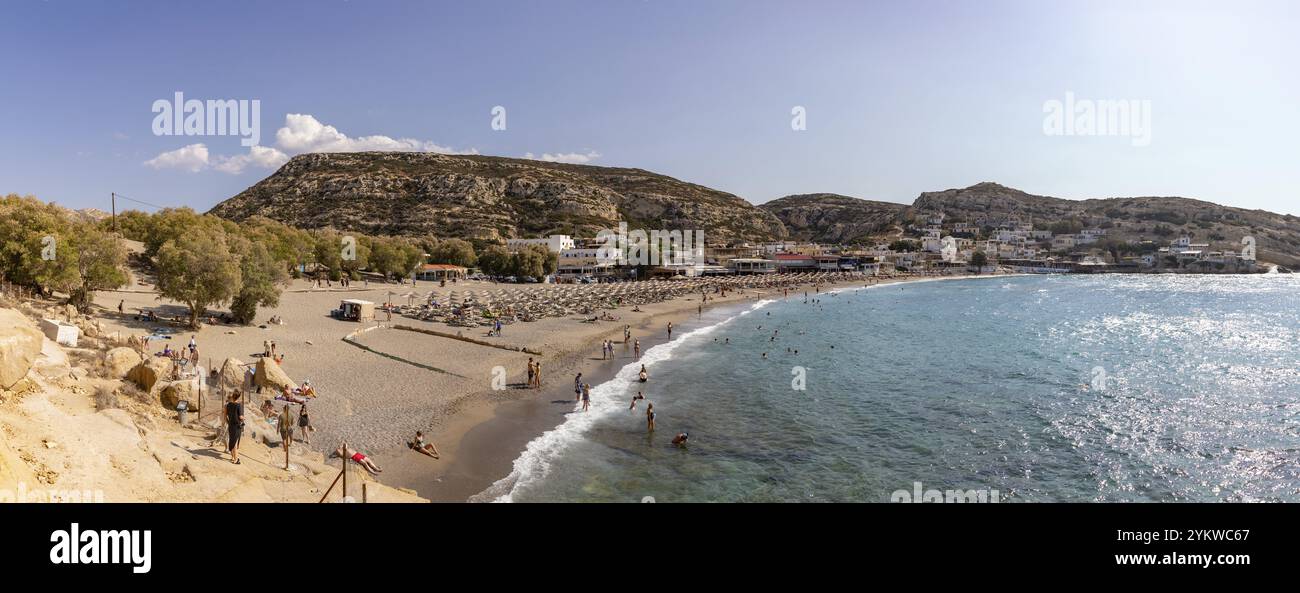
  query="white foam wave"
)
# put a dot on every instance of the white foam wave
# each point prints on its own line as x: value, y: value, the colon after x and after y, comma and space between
x: 607, y: 398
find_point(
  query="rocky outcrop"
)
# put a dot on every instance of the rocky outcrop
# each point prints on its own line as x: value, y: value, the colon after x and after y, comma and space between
x: 835, y: 219
x: 20, y: 343
x: 488, y: 198
x: 119, y: 361
x: 150, y: 373
x: 231, y: 375
x: 269, y: 374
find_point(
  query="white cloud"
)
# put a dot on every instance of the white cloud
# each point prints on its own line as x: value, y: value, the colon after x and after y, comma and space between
x: 263, y: 157
x: 304, y: 133
x: 192, y: 158
x: 301, y: 133
x: 566, y: 157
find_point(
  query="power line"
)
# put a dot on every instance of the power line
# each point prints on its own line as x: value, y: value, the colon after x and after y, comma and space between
x: 139, y: 201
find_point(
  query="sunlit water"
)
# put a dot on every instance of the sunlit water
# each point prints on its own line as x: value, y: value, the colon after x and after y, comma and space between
x: 1049, y: 388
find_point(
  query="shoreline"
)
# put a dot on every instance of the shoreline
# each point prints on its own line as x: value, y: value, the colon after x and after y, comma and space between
x: 482, y: 442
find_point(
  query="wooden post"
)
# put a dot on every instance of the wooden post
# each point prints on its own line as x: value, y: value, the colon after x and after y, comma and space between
x: 332, y: 484
x: 364, y: 495
x: 345, y: 469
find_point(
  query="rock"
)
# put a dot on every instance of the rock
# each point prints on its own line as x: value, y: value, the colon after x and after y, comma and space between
x: 20, y: 343
x: 119, y: 361
x: 172, y: 393
x: 70, y: 312
x: 150, y: 372
x: 232, y: 375
x: 269, y: 374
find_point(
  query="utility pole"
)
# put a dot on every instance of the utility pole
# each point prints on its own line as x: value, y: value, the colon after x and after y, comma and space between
x: 114, y: 197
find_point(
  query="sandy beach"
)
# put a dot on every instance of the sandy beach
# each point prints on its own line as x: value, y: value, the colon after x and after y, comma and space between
x: 376, y: 391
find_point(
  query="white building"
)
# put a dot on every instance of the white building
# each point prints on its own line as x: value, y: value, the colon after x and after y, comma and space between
x: 555, y: 243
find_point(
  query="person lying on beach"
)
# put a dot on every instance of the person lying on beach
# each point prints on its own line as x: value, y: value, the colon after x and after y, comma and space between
x: 424, y: 447
x: 360, y: 458
x: 680, y: 439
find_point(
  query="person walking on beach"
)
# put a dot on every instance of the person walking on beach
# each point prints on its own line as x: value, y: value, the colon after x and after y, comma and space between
x: 235, y: 424
x: 121, y: 308
x: 531, y: 372
x: 650, y: 417
x: 586, y: 396
x: 577, y: 387
x: 304, y: 424
x: 286, y: 424
x: 670, y: 329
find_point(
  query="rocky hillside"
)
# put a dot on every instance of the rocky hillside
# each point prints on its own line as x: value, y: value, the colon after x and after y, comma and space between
x: 832, y: 218
x: 1159, y: 219
x: 488, y: 198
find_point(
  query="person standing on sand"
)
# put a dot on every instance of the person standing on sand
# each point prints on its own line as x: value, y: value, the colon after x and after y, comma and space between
x: 577, y: 387
x: 636, y: 349
x: 285, y: 424
x: 670, y: 329
x: 235, y: 424
x: 304, y: 424
x: 120, y: 307
x: 531, y: 372
x: 537, y: 378
x: 650, y: 417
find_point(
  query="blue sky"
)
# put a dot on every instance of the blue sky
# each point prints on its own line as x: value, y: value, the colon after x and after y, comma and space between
x: 901, y: 97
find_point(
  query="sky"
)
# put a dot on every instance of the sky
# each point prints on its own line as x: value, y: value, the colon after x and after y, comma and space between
x: 876, y: 100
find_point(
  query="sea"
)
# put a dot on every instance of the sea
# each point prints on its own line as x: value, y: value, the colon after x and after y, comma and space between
x: 1053, y: 388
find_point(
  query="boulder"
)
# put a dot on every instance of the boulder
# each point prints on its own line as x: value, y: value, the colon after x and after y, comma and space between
x: 150, y: 372
x: 232, y: 375
x: 20, y: 343
x: 269, y: 374
x: 119, y: 361
x: 173, y: 392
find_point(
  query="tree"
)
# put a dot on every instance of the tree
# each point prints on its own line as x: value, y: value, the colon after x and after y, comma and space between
x: 904, y: 245
x: 979, y: 260
x: 496, y: 261
x: 263, y: 278
x: 198, y: 269
x: 456, y: 252
x: 100, y: 261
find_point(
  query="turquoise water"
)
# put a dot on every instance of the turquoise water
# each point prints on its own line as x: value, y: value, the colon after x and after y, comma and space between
x: 1046, y: 388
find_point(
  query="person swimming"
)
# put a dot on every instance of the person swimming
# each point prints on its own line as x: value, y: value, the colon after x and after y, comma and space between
x: 680, y: 439
x: 636, y: 398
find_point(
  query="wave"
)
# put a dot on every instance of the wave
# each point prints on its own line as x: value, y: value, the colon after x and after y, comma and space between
x: 607, y: 398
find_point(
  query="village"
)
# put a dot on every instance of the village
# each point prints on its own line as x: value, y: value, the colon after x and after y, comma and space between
x: 933, y: 245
